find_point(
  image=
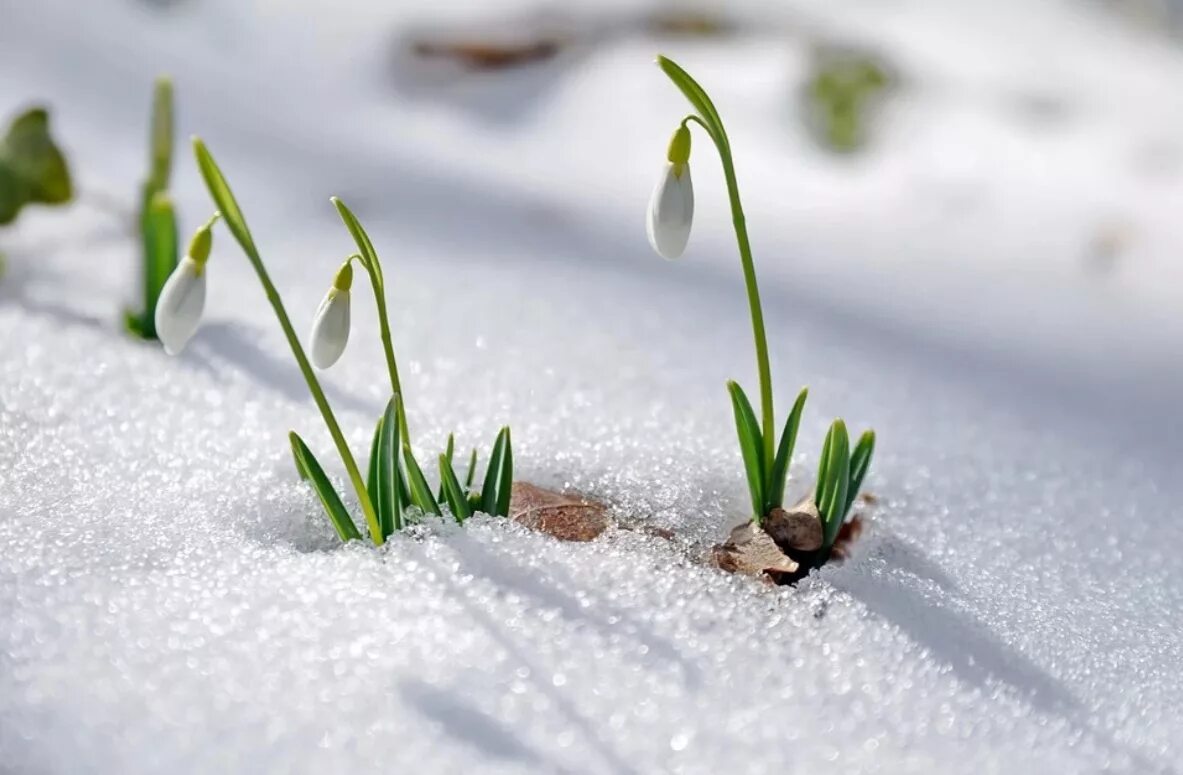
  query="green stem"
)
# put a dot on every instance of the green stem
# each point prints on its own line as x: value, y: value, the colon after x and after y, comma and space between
x: 767, y: 419
x: 369, y: 259
x: 230, y: 212
x: 322, y: 403
x: 379, y: 286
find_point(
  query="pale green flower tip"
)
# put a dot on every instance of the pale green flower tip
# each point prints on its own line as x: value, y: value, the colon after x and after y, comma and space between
x: 679, y: 151
x: 343, y: 280
x: 203, y: 242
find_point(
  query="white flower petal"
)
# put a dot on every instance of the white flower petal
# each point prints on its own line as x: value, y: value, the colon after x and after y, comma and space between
x: 671, y: 212
x: 330, y: 329
x: 179, y: 307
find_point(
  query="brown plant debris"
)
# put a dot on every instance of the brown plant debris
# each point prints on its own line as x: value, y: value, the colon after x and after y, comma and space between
x: 478, y: 55
x: 566, y: 517
x: 752, y: 552
x: 797, y: 530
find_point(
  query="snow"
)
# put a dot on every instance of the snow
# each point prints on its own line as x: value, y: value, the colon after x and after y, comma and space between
x: 172, y: 599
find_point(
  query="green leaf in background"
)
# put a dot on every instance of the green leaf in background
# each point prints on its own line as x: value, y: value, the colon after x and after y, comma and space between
x: 388, y: 496
x: 748, y: 430
x: 505, y: 477
x: 160, y: 245
x: 311, y: 471
x: 420, y: 491
x: 837, y: 473
x: 453, y: 492
x: 784, y: 455
x: 492, y: 474
x: 160, y: 139
x: 32, y: 167
x: 860, y: 463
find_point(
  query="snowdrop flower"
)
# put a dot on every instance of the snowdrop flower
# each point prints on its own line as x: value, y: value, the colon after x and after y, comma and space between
x: 182, y: 300
x: 671, y: 209
x: 330, y: 327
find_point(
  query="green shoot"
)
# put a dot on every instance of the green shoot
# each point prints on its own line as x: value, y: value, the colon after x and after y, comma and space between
x: 158, y: 221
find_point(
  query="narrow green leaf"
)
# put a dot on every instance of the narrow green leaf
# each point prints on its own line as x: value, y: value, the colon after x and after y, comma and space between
x: 697, y: 95
x: 505, y: 480
x: 453, y: 493
x: 860, y: 463
x: 388, y: 500
x: 468, y: 478
x: 312, y: 472
x: 372, y: 468
x: 420, y: 491
x: 223, y: 197
x: 784, y: 455
x: 364, y: 244
x: 823, y: 473
x: 492, y: 474
x: 449, y: 450
x: 750, y: 441
x: 838, y: 475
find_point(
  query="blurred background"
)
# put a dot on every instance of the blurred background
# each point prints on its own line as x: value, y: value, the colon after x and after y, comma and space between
x: 996, y: 184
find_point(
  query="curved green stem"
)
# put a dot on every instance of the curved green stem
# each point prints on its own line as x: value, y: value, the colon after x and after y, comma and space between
x: 369, y: 259
x: 222, y: 196
x: 708, y: 118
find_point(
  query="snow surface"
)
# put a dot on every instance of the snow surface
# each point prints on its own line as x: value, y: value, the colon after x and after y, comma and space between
x: 172, y: 599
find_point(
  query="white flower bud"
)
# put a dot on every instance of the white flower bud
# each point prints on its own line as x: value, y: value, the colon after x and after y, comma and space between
x: 330, y: 327
x: 671, y: 211
x: 179, y: 307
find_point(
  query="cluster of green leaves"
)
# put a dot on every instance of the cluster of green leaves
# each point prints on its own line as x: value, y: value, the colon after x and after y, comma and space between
x: 159, y: 237
x: 33, y: 169
x: 840, y: 474
x: 398, y: 488
x: 839, y: 95
x: 395, y: 491
x: 840, y: 471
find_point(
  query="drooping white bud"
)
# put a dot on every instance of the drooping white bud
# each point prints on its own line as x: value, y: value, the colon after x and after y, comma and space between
x: 330, y: 327
x: 179, y: 307
x: 671, y: 211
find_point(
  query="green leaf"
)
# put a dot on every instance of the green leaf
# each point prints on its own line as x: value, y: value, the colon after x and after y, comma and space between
x: 364, y: 244
x: 784, y: 455
x: 420, y: 491
x: 698, y: 98
x: 449, y: 450
x: 468, y: 478
x: 837, y: 473
x: 860, y: 463
x: 492, y: 474
x: 223, y: 197
x: 750, y: 441
x: 453, y: 493
x: 161, y: 135
x: 311, y: 471
x: 160, y: 252
x: 505, y: 480
x: 13, y: 193
x: 388, y: 496
x: 372, y: 468
x: 36, y: 168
